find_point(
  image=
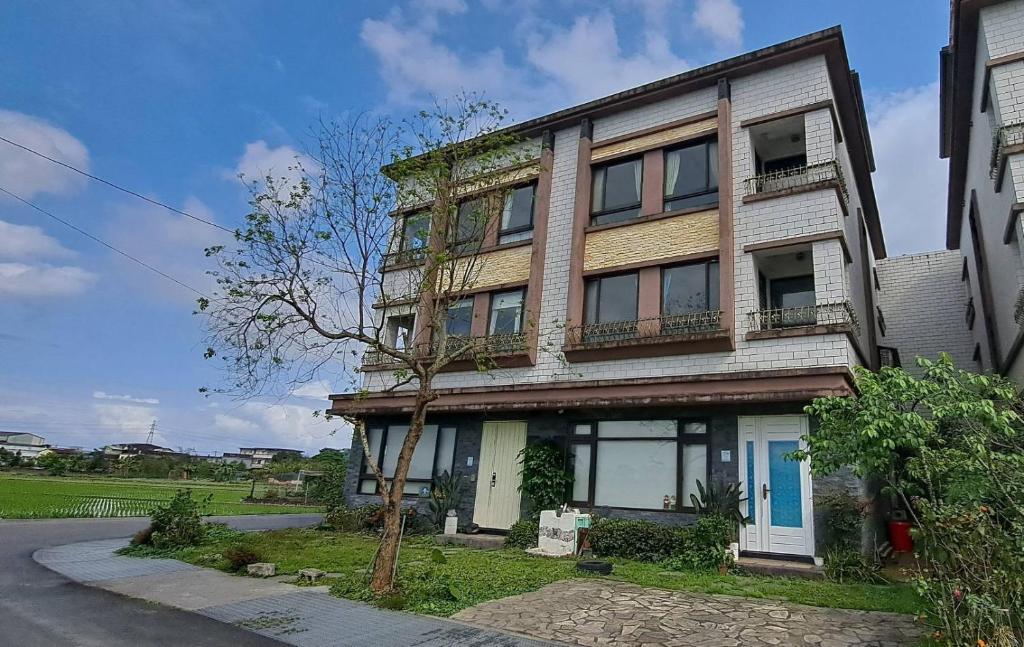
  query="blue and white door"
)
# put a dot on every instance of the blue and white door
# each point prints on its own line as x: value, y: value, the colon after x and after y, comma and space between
x: 778, y: 489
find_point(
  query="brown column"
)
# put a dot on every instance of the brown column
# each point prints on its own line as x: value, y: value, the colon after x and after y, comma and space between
x: 649, y: 298
x: 581, y: 218
x: 424, y: 324
x: 481, y: 312
x: 541, y: 205
x: 652, y: 198
x: 726, y: 240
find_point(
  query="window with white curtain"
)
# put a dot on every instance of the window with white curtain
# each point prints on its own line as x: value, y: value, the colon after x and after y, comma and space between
x: 506, y: 312
x: 517, y: 216
x: 639, y: 463
x: 689, y: 289
x: 615, y: 191
x: 434, y: 454
x: 691, y: 175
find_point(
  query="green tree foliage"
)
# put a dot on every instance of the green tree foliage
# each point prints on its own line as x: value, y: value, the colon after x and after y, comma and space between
x: 547, y: 484
x: 950, y: 449
x: 179, y: 522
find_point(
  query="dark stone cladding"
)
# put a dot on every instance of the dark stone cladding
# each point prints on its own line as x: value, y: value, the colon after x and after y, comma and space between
x: 556, y: 427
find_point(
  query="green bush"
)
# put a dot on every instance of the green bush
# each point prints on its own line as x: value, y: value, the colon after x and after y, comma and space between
x: 143, y: 537
x: 345, y: 519
x: 241, y: 556
x: 643, y: 541
x: 179, y: 522
x: 546, y: 483
x: 702, y: 547
x: 844, y: 519
x: 849, y: 565
x: 522, y: 534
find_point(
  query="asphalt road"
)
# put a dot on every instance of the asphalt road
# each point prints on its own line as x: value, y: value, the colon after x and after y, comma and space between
x: 40, y: 607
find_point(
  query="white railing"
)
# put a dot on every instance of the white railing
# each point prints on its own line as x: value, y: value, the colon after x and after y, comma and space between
x: 798, y: 176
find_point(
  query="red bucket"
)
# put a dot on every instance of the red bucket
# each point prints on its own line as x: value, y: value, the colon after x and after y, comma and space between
x: 899, y: 536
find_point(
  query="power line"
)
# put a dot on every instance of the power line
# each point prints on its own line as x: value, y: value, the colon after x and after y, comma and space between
x: 115, y: 186
x: 102, y: 242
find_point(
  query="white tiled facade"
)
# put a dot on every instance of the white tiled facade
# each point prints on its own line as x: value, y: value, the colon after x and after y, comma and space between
x: 788, y: 86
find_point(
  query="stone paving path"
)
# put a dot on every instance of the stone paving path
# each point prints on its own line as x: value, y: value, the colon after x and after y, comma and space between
x: 606, y: 612
x: 302, y: 616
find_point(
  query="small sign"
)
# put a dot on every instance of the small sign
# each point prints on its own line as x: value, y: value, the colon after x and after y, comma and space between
x: 726, y: 455
x: 469, y: 461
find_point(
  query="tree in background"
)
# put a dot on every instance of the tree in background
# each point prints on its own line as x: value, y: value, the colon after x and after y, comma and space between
x: 296, y: 294
x: 950, y: 448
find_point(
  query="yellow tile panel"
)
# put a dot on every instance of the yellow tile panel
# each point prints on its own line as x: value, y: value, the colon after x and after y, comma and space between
x: 652, y: 140
x: 492, y: 268
x: 652, y: 240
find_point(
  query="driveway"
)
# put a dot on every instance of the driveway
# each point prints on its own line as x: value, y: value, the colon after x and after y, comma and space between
x: 40, y: 607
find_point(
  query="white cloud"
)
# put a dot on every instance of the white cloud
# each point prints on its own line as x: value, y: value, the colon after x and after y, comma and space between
x: 722, y: 19
x: 23, y: 241
x: 22, y: 280
x: 911, y: 179
x: 260, y: 160
x: 130, y: 420
x: 28, y: 174
x: 233, y: 424
x: 289, y: 425
x: 317, y: 390
x: 101, y: 395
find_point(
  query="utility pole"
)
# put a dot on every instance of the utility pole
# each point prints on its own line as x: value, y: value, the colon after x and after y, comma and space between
x: 152, y: 430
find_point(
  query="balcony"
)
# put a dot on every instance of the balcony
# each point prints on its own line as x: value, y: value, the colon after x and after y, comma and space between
x: 666, y: 335
x: 888, y: 356
x: 797, y: 179
x: 506, y: 350
x: 1006, y: 140
x: 404, y: 257
x: 818, y: 319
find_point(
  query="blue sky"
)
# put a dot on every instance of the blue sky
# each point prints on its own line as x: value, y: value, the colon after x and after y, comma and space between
x: 173, y: 99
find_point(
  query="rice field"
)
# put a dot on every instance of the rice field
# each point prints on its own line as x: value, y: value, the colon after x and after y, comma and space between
x: 30, y: 496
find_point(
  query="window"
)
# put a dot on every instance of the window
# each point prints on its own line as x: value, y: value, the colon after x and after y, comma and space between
x: 434, y: 455
x: 616, y: 192
x: 470, y: 221
x: 399, y: 333
x: 779, y: 145
x: 460, y: 318
x: 881, y: 320
x: 639, y: 463
x: 792, y: 292
x: 611, y: 298
x: 517, y: 216
x: 506, y: 312
x: 688, y: 289
x: 691, y: 176
x: 415, y: 231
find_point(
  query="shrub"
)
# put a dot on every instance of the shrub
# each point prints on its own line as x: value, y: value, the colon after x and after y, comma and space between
x: 546, y: 483
x: 702, y: 547
x: 241, y: 556
x: 179, y: 522
x: 850, y: 565
x: 844, y: 519
x: 143, y: 537
x: 723, y: 500
x: 522, y: 534
x: 643, y: 541
x: 344, y: 519
x: 445, y: 494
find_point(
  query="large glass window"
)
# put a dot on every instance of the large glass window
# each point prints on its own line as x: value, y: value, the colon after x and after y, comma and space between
x: 793, y: 292
x: 688, y: 289
x: 506, y: 312
x: 639, y: 463
x: 434, y: 455
x: 415, y: 231
x: 470, y: 221
x: 616, y: 191
x: 460, y: 318
x: 691, y: 176
x: 611, y: 298
x: 517, y: 216
x: 399, y: 332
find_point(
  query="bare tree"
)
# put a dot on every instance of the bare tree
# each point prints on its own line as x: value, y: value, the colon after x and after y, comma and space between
x: 297, y: 294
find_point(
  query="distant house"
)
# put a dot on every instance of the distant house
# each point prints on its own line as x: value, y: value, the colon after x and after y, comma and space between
x: 23, y: 443
x: 261, y: 456
x: 129, y: 450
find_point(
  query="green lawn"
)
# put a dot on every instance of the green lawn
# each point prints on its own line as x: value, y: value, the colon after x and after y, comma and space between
x: 469, y: 577
x: 30, y: 496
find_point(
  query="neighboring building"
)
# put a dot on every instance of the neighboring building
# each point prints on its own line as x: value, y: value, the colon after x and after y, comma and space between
x: 701, y: 250
x: 982, y: 101
x: 254, y: 457
x: 23, y: 443
x: 129, y: 450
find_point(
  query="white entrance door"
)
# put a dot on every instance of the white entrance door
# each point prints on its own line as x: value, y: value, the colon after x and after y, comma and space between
x: 498, y: 475
x: 779, y: 490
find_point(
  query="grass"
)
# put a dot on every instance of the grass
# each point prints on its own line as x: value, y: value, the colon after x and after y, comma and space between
x: 30, y: 496
x: 468, y: 576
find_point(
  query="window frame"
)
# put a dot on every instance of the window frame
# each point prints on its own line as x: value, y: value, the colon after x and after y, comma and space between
x: 403, y: 241
x: 472, y: 311
x: 533, y: 213
x: 522, y: 310
x: 681, y: 439
x: 707, y: 285
x: 638, y: 206
x: 411, y: 316
x: 366, y: 474
x: 772, y: 305
x: 598, y: 279
x: 705, y: 143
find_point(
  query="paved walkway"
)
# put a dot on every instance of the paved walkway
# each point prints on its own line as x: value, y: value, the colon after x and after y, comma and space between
x: 604, y: 612
x: 304, y: 616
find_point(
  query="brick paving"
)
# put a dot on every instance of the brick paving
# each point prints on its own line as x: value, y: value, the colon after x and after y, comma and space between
x: 604, y: 612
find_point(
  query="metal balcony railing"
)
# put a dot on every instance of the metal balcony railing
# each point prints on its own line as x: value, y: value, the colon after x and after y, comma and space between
x: 404, y: 257
x: 664, y: 326
x: 1002, y: 138
x: 798, y: 176
x: 377, y: 358
x: 501, y: 344
x: 820, y: 314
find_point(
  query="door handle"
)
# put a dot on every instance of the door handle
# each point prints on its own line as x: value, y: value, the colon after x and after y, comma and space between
x: 764, y: 491
x: 494, y: 478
